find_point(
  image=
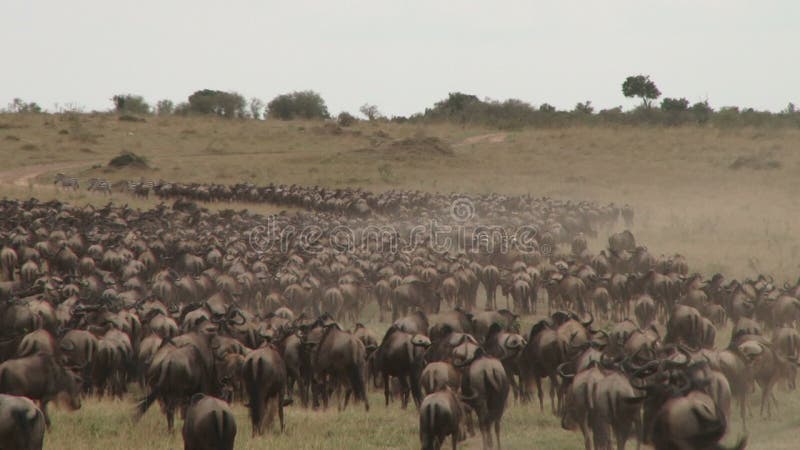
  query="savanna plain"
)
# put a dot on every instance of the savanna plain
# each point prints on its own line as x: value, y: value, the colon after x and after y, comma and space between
x: 689, y: 194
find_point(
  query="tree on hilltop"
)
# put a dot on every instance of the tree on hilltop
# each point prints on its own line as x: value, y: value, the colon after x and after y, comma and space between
x: 641, y: 86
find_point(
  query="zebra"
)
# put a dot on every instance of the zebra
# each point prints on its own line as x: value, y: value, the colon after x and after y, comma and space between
x: 67, y: 182
x: 141, y: 188
x: 99, y: 185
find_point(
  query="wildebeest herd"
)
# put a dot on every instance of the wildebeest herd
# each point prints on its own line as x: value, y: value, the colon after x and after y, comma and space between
x: 205, y: 308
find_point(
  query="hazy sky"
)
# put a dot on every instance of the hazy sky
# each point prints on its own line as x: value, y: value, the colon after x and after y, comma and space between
x: 401, y: 55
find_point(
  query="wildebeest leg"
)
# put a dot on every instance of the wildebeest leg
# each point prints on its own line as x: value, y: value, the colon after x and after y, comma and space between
x: 416, y: 390
x: 386, y: 388
x: 486, y: 436
x: 497, y: 433
x: 540, y: 392
x: 170, y: 410
x: 742, y: 398
x: 43, y: 407
x: 587, y: 441
x: 555, y: 400
x: 404, y: 389
x: 280, y: 414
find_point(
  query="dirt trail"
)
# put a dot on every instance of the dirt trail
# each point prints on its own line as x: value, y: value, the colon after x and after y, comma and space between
x: 20, y: 176
x: 492, y: 138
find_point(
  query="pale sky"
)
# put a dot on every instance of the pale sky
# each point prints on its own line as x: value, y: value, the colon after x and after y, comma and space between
x: 400, y: 55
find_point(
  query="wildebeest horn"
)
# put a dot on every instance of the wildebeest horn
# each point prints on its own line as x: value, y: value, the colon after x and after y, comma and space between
x: 589, y: 322
x: 642, y: 370
x: 237, y: 312
x: 562, y: 373
x: 684, y: 351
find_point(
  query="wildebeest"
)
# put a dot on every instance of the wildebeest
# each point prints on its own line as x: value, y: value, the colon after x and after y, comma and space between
x: 22, y: 424
x: 209, y: 424
x: 484, y: 387
x: 441, y: 415
x: 264, y: 376
x: 40, y: 377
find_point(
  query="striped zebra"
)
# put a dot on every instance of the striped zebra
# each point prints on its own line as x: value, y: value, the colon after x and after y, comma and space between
x: 99, y: 185
x: 141, y: 188
x: 67, y: 182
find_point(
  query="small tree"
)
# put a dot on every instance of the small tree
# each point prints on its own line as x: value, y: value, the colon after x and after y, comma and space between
x: 165, y: 107
x: 641, y: 86
x: 547, y: 108
x: 370, y: 111
x: 256, y: 108
x: 19, y: 106
x: 130, y: 104
x: 702, y: 111
x: 674, y: 104
x: 584, y: 108
x: 791, y: 108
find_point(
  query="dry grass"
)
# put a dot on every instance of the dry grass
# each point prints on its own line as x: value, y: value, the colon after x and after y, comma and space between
x: 109, y: 425
x: 686, y: 196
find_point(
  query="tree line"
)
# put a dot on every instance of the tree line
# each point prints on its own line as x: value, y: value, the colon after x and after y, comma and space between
x: 457, y: 107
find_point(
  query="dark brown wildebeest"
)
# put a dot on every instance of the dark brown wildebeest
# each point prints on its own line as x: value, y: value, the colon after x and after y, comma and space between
x: 22, y: 424
x: 540, y: 359
x: 401, y: 355
x: 40, y: 377
x: 339, y: 358
x: 482, y: 321
x: 579, y: 401
x: 484, y: 388
x: 264, y: 376
x: 441, y: 415
x: 209, y: 424
x: 506, y: 347
x: 174, y: 376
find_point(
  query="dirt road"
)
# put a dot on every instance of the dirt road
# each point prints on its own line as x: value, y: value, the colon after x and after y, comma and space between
x: 21, y: 176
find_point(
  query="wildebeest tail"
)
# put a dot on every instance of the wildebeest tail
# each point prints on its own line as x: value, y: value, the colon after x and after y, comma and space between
x: 223, y: 428
x: 253, y: 368
x: 25, y: 419
x: 712, y: 429
x: 155, y: 391
x: 357, y: 382
x: 428, y: 426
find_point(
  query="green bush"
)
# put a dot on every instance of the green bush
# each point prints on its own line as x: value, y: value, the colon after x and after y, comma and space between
x: 298, y: 105
x: 130, y: 104
x: 224, y: 104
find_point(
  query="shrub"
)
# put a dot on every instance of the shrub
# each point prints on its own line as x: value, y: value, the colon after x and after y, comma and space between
x: 547, y: 108
x: 130, y: 104
x: 301, y: 104
x: 128, y: 159
x: 19, y: 106
x: 165, y: 107
x: 584, y: 108
x: 674, y: 104
x: 345, y: 119
x: 224, y: 104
